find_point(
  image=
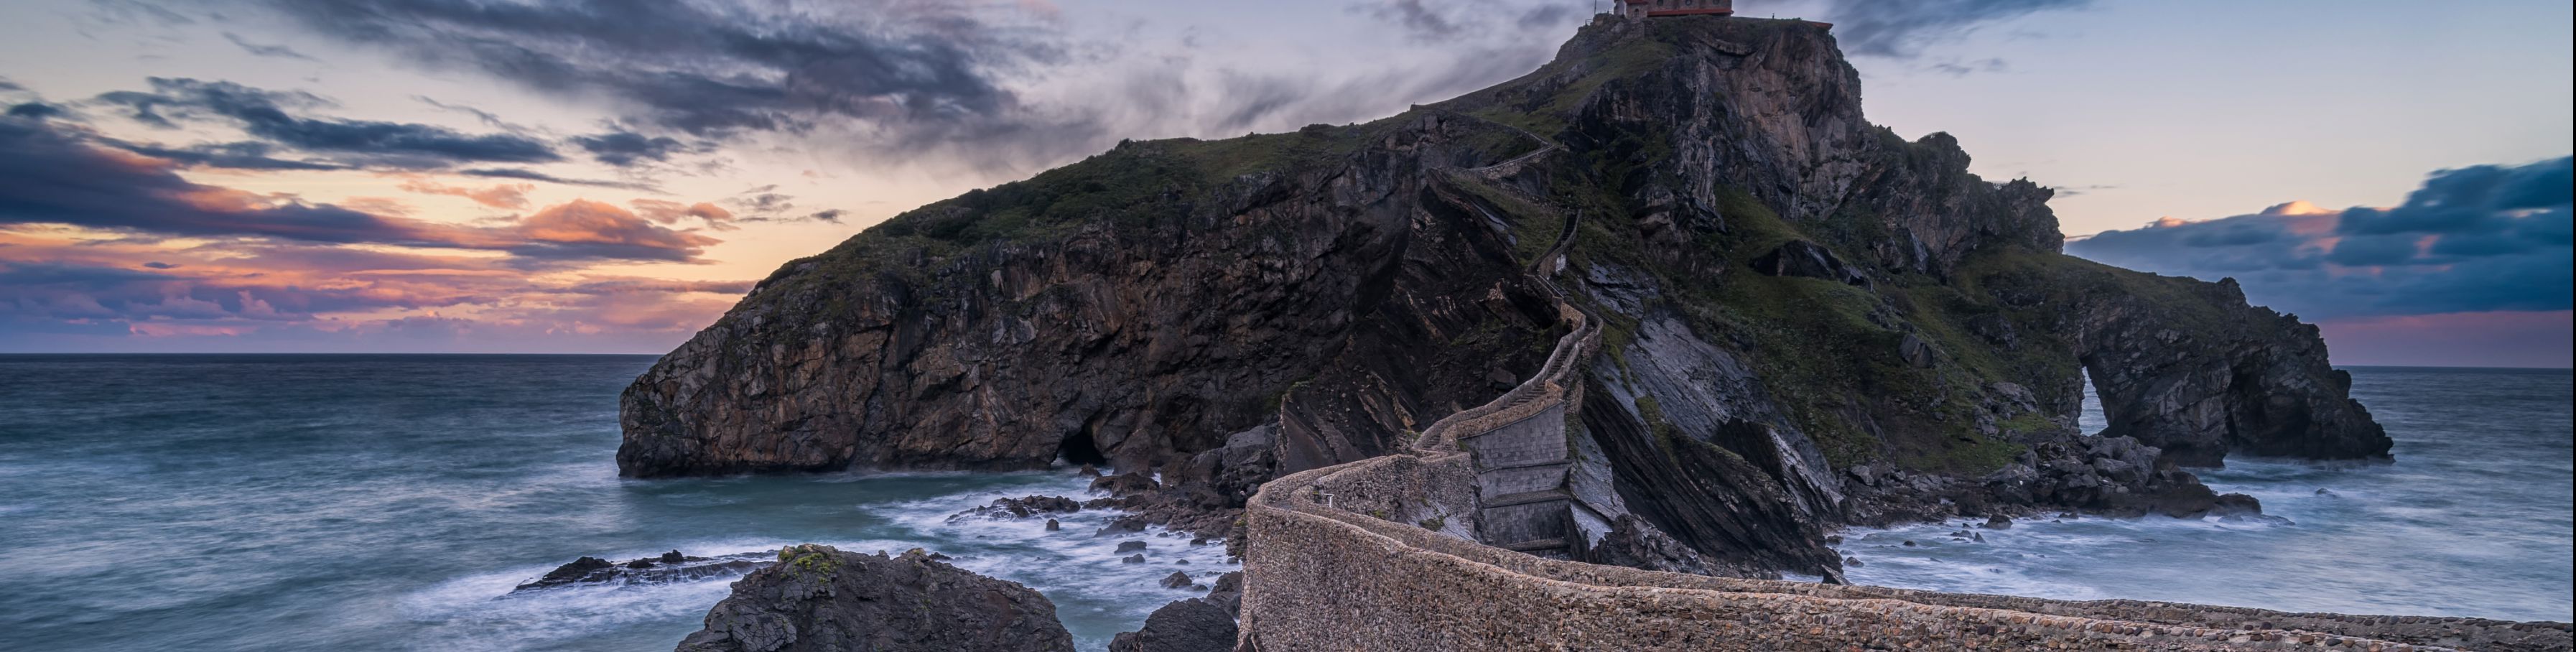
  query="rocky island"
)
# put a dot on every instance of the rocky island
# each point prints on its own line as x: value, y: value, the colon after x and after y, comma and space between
x: 1591, y: 359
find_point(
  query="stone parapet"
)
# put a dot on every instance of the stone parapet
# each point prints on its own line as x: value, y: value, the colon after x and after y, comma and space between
x: 1329, y: 578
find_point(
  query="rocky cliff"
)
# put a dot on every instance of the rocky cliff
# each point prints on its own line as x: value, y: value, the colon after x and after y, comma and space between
x: 1809, y: 320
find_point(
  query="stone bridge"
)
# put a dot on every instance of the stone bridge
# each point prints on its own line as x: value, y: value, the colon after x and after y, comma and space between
x: 1391, y: 554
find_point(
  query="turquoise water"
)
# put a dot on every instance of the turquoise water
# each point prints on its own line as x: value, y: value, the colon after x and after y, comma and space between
x: 212, y: 503
x: 2473, y: 519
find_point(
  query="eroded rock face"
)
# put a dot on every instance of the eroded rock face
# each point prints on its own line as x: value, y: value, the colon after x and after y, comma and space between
x: 2245, y: 380
x: 1803, y: 258
x: 1320, y: 296
x: 817, y: 599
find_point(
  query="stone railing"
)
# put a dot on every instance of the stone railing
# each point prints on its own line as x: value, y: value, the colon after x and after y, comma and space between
x: 1542, y: 390
x: 1346, y: 577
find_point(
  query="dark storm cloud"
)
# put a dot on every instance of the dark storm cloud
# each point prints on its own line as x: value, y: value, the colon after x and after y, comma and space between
x: 47, y: 177
x: 2469, y: 200
x: 1900, y: 28
x: 265, y: 114
x: 626, y: 148
x: 50, y: 177
x: 36, y: 110
x: 2485, y: 238
x: 708, y: 68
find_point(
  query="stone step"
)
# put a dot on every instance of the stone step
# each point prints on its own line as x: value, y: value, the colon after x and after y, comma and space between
x: 1515, y: 467
x: 1508, y: 500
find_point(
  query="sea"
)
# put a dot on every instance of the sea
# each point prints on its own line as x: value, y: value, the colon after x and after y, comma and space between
x: 355, y: 502
x: 2471, y: 519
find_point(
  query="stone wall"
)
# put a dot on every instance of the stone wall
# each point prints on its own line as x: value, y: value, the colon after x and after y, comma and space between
x: 1329, y: 578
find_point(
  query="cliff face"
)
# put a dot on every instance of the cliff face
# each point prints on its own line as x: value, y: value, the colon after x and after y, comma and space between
x: 1809, y: 321
x: 1132, y: 308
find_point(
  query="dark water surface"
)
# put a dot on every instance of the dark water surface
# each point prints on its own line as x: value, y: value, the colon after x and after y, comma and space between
x: 391, y: 503
x: 2473, y: 519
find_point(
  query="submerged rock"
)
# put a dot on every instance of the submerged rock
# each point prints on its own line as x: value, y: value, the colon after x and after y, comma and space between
x: 818, y: 599
x: 667, y: 567
x: 1022, y: 507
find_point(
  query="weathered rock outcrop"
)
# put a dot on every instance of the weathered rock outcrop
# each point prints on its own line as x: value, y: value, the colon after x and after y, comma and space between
x: 1134, y: 308
x: 817, y: 599
x: 667, y: 567
x: 2226, y: 378
x: 1786, y: 292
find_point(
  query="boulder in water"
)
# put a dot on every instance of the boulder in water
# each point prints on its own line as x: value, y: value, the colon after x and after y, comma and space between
x: 667, y: 567
x: 1022, y: 507
x: 818, y: 599
x: 1192, y: 625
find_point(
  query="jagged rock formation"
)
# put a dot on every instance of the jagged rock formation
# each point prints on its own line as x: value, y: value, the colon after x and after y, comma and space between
x: 1786, y: 295
x: 817, y: 599
x: 667, y: 567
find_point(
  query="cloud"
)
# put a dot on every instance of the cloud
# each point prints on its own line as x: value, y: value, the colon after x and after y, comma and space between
x: 278, y: 51
x: 504, y: 196
x: 532, y: 175
x: 1420, y: 22
x: 265, y: 114
x: 234, y: 156
x: 712, y: 68
x: 1901, y: 28
x: 589, y: 229
x: 668, y: 212
x: 34, y: 110
x: 626, y: 148
x: 48, y: 177
x: 2479, y: 239
x: 58, y: 294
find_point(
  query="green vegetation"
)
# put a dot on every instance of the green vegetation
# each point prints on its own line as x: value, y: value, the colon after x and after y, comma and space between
x: 811, y: 561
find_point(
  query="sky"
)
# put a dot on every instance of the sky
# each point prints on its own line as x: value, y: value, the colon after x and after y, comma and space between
x: 607, y: 176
